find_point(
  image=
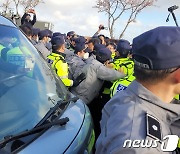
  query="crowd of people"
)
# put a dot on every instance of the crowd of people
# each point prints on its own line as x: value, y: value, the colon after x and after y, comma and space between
x: 144, y: 77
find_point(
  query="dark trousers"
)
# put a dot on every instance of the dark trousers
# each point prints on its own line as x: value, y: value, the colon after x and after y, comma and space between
x: 95, y: 108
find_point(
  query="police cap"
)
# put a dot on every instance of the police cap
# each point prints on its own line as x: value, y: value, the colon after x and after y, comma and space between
x: 50, y: 33
x: 57, y: 41
x: 56, y: 34
x: 80, y: 47
x: 71, y: 33
x: 35, y: 31
x: 103, y: 55
x: 158, y: 49
x: 124, y: 47
x: 98, y: 47
x: 80, y: 40
x: 42, y: 34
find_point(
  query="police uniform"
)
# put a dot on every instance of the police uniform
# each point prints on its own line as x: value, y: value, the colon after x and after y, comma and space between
x: 137, y: 114
x: 41, y: 46
x: 113, y: 55
x: 121, y: 84
x: 124, y: 117
x: 42, y: 49
x: 126, y: 64
x: 75, y: 62
x: 59, y: 65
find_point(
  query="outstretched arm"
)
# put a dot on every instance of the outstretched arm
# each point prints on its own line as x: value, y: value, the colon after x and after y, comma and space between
x: 34, y: 18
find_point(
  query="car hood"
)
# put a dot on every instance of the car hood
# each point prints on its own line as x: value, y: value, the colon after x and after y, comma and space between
x: 57, y: 139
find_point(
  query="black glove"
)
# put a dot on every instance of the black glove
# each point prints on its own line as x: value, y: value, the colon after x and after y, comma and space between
x: 79, y: 79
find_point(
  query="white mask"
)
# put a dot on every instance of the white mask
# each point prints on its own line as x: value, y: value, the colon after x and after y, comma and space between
x: 86, y: 55
x: 37, y: 39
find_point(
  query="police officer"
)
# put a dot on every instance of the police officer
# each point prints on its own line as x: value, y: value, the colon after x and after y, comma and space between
x: 112, y: 47
x: 121, y: 61
x: 27, y: 30
x: 35, y: 37
x: 43, y: 40
x: 93, y: 46
x: 76, y: 62
x: 146, y: 111
x: 48, y: 43
x: 70, y: 43
x: 96, y: 73
x: 124, y: 63
x: 57, y: 60
x: 58, y: 63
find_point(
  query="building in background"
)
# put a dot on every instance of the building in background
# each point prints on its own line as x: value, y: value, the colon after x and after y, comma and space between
x: 39, y: 24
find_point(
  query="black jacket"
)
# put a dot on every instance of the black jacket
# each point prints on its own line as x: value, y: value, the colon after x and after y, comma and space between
x: 29, y: 23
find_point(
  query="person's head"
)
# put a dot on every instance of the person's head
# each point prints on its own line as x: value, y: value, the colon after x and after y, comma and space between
x: 50, y: 33
x: 58, y: 44
x: 82, y: 51
x: 55, y: 34
x: 103, y: 55
x: 35, y: 32
x: 44, y: 36
x: 123, y: 48
x: 112, y: 47
x: 156, y: 55
x: 80, y: 40
x: 72, y: 41
x: 70, y: 35
x: 102, y: 39
x: 27, y: 30
x: 92, y: 42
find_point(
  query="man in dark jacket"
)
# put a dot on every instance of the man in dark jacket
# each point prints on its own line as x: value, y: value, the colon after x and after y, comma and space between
x: 26, y: 18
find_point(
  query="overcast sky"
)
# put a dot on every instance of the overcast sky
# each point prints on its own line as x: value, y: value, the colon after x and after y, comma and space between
x: 80, y: 16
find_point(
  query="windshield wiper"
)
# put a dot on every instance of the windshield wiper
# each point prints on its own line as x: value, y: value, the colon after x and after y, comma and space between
x: 50, y: 117
x: 7, y: 139
x: 58, y: 109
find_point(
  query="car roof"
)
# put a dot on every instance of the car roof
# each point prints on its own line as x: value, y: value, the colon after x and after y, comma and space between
x: 6, y: 22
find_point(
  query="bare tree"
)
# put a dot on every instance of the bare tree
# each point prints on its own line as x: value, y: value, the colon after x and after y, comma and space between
x: 27, y: 4
x: 17, y: 3
x: 116, y: 8
x: 5, y: 5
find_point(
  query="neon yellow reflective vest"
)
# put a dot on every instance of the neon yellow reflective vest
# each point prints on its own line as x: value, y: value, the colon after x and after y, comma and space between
x: 126, y: 64
x: 113, y: 55
x: 60, y: 66
x: 21, y: 57
x: 177, y: 97
x: 121, y: 84
x: 1, y: 47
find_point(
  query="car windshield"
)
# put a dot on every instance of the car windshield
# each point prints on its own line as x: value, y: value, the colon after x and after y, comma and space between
x: 28, y: 87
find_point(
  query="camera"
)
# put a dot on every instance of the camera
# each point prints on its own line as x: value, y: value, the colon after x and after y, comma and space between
x: 102, y: 27
x: 172, y: 8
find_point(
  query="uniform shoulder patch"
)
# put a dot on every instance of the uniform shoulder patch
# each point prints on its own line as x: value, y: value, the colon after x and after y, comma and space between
x: 153, y: 127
